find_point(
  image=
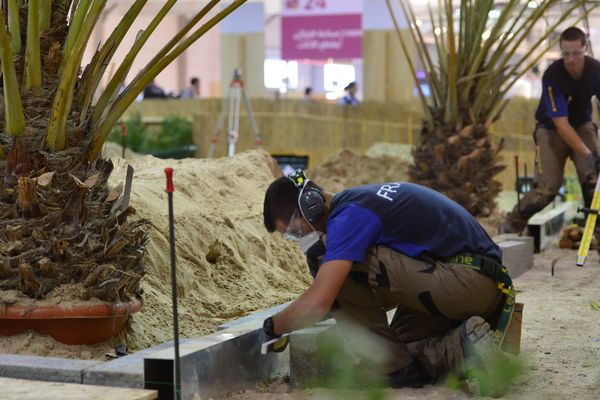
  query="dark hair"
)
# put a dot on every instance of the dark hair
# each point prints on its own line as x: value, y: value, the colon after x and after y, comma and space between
x: 194, y: 80
x: 281, y: 200
x: 307, y: 90
x: 350, y: 86
x: 572, y: 34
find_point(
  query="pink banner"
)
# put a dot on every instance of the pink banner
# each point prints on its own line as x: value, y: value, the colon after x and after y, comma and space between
x: 321, y: 37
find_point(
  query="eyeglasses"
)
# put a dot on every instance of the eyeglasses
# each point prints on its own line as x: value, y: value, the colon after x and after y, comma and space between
x: 575, y: 53
x: 294, y: 227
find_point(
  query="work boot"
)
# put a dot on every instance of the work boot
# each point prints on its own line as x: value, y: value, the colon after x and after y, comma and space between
x: 512, y: 224
x: 410, y: 376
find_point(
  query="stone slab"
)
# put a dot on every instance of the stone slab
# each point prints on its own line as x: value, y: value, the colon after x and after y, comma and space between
x: 53, y: 369
x: 20, y: 389
x: 215, y: 365
x: 546, y: 226
x: 517, y: 254
x: 127, y: 371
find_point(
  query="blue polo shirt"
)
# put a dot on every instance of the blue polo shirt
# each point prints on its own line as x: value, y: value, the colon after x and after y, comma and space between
x: 406, y: 217
x: 563, y: 96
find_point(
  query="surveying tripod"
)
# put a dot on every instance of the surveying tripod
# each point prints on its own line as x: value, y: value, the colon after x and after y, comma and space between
x: 231, y: 105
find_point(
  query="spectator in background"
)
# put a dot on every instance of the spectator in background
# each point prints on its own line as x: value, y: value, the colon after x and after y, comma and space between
x: 192, y: 91
x: 153, y: 91
x: 308, y: 93
x: 349, y: 99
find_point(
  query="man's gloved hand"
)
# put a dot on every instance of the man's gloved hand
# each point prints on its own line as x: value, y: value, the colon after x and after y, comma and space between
x: 276, y: 343
x: 593, y: 161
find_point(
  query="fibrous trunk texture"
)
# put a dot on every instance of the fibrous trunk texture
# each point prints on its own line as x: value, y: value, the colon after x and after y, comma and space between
x: 59, y: 222
x: 461, y: 165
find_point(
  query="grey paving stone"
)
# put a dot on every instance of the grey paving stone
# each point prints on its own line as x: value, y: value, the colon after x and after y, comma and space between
x: 215, y: 365
x: 127, y: 371
x: 52, y: 369
x: 517, y: 254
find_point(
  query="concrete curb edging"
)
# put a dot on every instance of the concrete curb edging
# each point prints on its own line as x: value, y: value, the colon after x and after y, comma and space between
x: 216, y: 364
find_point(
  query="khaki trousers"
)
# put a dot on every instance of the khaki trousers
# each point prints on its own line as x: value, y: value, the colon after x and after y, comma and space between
x: 431, y: 299
x: 551, y: 155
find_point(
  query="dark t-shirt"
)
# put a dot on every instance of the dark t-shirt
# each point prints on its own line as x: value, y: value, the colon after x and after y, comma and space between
x: 411, y: 219
x: 564, y: 96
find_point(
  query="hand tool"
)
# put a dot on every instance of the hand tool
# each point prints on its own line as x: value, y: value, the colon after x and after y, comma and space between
x: 123, y: 202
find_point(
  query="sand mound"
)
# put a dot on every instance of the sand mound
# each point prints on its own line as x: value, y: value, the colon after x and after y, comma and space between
x: 346, y: 169
x: 228, y: 265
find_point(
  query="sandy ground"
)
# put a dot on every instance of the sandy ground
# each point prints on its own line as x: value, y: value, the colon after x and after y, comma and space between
x: 229, y: 266
x: 560, y: 342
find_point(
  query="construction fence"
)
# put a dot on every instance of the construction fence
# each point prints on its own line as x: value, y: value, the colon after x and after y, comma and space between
x: 317, y: 130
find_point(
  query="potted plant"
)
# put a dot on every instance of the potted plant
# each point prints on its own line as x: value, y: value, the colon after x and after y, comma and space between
x: 60, y: 223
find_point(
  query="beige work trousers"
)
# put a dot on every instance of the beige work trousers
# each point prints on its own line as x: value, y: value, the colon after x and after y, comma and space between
x: 551, y: 155
x: 432, y: 298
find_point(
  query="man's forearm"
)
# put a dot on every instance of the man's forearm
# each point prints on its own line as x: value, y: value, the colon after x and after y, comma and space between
x: 572, y: 139
x: 300, y: 314
x: 313, y: 304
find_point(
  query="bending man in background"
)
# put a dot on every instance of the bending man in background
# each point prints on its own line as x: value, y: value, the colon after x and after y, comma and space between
x: 564, y: 129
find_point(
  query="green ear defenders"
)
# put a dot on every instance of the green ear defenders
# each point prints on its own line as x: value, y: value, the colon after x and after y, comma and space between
x: 310, y: 200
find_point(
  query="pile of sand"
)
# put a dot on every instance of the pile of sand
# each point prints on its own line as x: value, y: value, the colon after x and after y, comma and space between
x: 346, y: 169
x: 228, y: 265
x: 383, y: 162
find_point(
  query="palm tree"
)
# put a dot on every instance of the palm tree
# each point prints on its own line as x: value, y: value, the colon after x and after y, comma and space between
x: 478, y: 55
x: 59, y: 221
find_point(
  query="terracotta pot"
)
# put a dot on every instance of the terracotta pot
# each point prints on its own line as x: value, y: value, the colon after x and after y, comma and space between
x: 75, y: 324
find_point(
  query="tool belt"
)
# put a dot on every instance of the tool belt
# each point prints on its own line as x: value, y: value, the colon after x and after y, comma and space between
x: 495, y: 270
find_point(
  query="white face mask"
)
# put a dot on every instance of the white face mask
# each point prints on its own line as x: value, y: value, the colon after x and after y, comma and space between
x: 307, y: 241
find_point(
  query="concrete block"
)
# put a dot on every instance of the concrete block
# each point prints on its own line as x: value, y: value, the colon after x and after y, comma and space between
x: 52, y: 369
x: 319, y: 357
x: 517, y: 256
x: 127, y: 371
x: 546, y: 226
x: 215, y: 365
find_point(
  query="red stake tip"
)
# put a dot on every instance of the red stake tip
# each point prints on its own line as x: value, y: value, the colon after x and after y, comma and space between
x: 169, y: 173
x: 123, y: 130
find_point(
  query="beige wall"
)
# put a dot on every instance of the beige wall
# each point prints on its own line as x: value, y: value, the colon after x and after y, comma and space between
x: 386, y: 74
x: 319, y: 130
x: 200, y: 59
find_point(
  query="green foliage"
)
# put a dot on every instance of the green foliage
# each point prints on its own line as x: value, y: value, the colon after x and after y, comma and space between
x: 174, y: 132
x: 494, y: 376
x: 572, y: 188
x: 136, y: 133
